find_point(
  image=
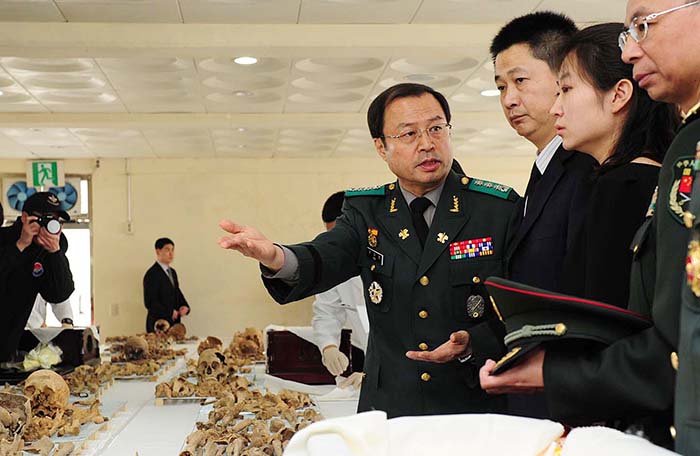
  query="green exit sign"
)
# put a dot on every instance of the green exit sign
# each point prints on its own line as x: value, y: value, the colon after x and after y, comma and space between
x: 46, y: 174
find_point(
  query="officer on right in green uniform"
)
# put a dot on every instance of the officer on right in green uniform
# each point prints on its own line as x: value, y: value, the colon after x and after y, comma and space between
x: 636, y: 376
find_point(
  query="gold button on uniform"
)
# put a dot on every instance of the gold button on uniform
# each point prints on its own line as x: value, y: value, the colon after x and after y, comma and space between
x: 392, y: 186
x: 425, y: 377
x: 424, y: 281
x: 423, y: 346
x: 476, y: 279
x: 423, y: 314
x: 373, y: 267
x: 674, y: 360
x: 465, y: 180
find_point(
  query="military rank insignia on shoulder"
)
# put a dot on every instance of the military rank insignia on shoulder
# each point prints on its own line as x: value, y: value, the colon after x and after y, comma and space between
x: 379, y: 190
x: 492, y: 188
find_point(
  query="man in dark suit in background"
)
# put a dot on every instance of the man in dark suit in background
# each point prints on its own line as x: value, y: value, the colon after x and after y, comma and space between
x: 524, y: 53
x: 161, y: 288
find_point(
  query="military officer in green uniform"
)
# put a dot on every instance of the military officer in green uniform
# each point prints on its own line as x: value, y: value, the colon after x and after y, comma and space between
x: 636, y: 376
x: 422, y: 246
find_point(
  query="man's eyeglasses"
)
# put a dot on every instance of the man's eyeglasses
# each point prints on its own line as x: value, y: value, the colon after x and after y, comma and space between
x: 437, y: 131
x: 639, y: 27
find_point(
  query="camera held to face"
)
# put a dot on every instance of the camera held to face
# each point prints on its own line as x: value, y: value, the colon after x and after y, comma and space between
x: 52, y: 225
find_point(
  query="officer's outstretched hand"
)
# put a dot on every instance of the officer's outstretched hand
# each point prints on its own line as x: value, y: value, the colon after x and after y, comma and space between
x: 455, y: 347
x: 252, y: 243
x: 524, y: 377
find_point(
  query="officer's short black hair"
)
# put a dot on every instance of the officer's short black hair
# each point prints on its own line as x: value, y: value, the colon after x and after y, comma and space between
x: 375, y: 113
x: 544, y: 32
x: 333, y: 207
x: 162, y: 242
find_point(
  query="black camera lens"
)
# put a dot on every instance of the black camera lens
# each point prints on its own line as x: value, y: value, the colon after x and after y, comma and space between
x: 52, y: 225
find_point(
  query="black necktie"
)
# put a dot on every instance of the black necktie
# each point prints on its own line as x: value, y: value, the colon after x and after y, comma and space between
x: 418, y: 206
x: 535, y: 176
x: 170, y: 276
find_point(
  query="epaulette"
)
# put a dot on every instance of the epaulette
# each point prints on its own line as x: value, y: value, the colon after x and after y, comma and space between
x: 492, y: 188
x: 379, y: 190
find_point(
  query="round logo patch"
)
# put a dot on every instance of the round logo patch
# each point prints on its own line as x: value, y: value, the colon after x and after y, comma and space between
x: 38, y: 270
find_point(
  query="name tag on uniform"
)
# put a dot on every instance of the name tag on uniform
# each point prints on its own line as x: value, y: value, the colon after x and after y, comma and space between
x: 376, y: 256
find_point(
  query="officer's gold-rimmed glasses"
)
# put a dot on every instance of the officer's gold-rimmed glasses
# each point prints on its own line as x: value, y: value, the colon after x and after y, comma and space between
x: 437, y: 131
x: 639, y: 27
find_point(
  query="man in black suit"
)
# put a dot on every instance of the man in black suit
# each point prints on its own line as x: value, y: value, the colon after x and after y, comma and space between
x: 161, y: 288
x: 524, y: 53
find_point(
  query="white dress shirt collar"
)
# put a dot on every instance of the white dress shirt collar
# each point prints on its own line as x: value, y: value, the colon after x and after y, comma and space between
x: 544, y: 157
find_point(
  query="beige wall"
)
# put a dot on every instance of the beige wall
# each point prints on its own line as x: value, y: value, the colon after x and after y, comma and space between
x: 185, y: 198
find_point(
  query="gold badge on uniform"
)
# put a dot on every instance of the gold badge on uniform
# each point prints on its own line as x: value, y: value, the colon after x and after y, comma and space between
x: 372, y: 236
x: 375, y: 292
x: 476, y: 306
x: 692, y: 267
x: 455, y: 204
x: 442, y: 238
x: 392, y: 206
x: 403, y: 234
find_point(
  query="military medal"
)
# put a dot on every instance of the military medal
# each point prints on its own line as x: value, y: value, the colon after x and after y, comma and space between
x: 679, y: 194
x: 375, y: 292
x: 471, y: 248
x: 442, y: 238
x: 38, y: 270
x: 376, y: 256
x: 692, y: 267
x: 403, y: 234
x: 372, y: 236
x: 475, y: 306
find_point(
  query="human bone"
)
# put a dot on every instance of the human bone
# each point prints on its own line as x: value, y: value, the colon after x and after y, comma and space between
x: 178, y: 332
x: 211, y: 365
x: 48, y: 394
x: 15, y: 412
x: 135, y: 348
x: 210, y: 342
x: 161, y: 326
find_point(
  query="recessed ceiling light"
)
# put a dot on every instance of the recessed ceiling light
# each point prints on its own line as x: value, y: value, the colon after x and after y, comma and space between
x: 243, y: 93
x: 245, y: 60
x: 241, y: 129
x: 241, y: 146
x: 1, y: 93
x: 490, y: 93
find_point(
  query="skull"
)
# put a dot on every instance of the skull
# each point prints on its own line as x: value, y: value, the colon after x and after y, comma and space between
x: 210, y: 342
x: 15, y: 413
x: 182, y: 388
x: 211, y: 365
x: 48, y: 394
x: 161, y: 326
x: 178, y: 332
x: 135, y: 348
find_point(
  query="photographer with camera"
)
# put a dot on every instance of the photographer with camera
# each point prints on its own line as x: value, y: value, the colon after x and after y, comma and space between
x: 33, y: 261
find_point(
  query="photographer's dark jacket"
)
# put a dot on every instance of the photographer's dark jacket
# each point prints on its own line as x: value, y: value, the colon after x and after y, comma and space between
x: 22, y: 276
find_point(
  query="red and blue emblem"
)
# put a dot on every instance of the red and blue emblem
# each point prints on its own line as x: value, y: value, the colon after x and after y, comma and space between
x: 471, y: 248
x: 38, y: 269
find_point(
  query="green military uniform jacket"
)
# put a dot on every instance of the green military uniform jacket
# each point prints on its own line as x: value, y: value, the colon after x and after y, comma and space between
x: 416, y: 298
x: 635, y: 377
x: 687, y: 405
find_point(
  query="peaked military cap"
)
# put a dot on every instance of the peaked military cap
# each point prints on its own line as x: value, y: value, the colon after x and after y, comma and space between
x: 534, y: 317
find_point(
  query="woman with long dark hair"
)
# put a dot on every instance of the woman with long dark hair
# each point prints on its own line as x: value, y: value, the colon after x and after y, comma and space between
x: 601, y: 111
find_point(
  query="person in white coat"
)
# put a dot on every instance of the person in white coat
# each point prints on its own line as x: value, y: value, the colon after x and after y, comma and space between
x: 61, y: 310
x: 342, y: 306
